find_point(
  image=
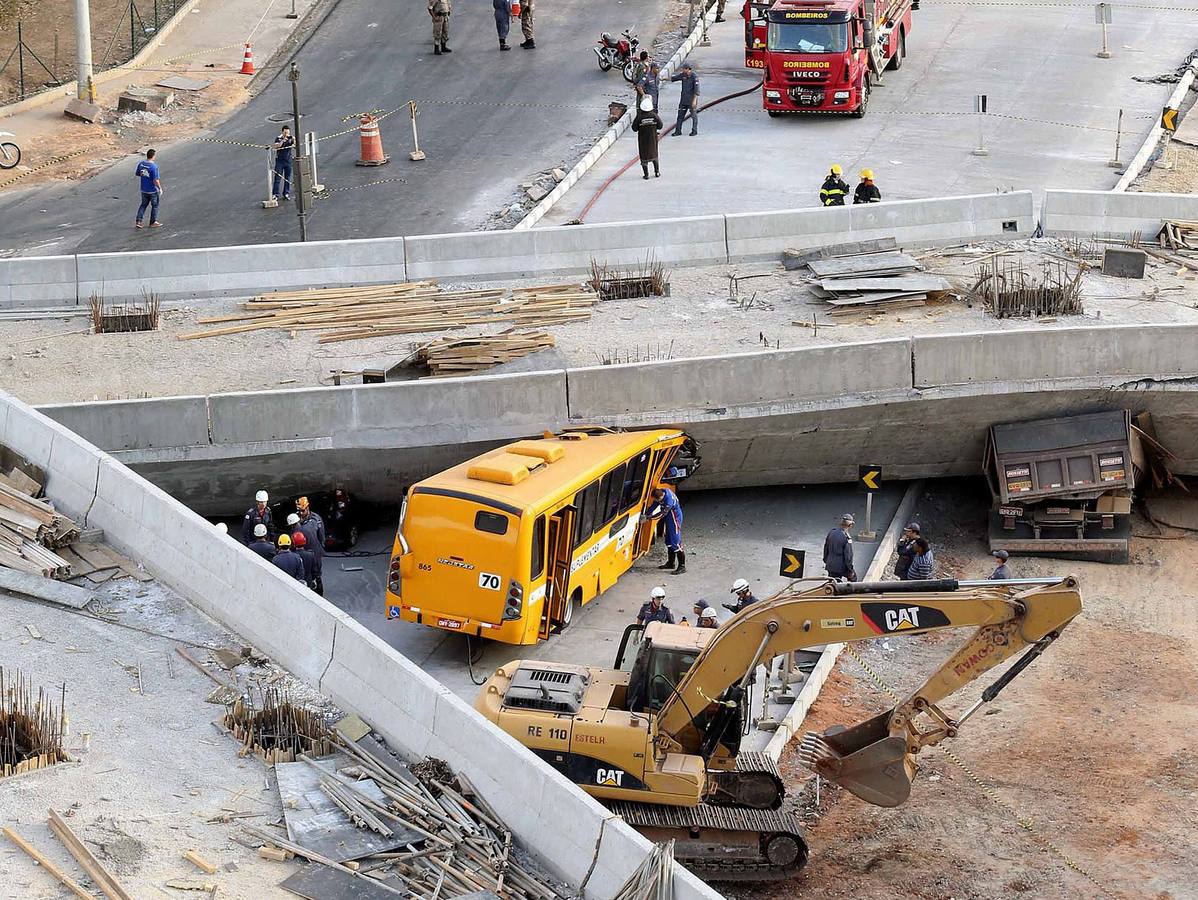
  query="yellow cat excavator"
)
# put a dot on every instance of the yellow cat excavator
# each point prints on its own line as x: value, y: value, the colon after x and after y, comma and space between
x: 658, y: 737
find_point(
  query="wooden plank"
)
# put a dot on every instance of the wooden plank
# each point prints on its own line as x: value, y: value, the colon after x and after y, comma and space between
x: 78, y: 564
x: 47, y: 864
x: 25, y: 585
x: 22, y: 482
x: 920, y: 282
x: 872, y: 262
x: 104, y: 879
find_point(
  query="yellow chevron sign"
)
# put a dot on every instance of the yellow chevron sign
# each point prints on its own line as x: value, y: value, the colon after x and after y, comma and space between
x: 791, y: 565
x: 870, y: 478
x: 1169, y: 119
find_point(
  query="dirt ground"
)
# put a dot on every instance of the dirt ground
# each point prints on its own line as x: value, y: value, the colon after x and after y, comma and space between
x: 1181, y: 177
x: 58, y: 360
x: 1092, y: 745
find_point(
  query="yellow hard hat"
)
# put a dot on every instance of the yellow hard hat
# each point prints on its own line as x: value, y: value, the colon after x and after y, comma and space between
x: 836, y: 170
x: 284, y: 540
x: 867, y: 173
x: 301, y: 504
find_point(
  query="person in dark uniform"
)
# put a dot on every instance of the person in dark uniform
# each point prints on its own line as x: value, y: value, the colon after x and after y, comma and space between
x: 744, y: 596
x: 867, y: 191
x: 708, y: 619
x: 299, y: 545
x: 906, y: 551
x: 261, y: 544
x: 666, y: 507
x: 655, y: 610
x: 503, y: 21
x: 834, y: 189
x: 288, y: 561
x: 1001, y: 573
x: 312, y: 525
x: 258, y: 514
x: 838, y: 551
x: 647, y: 123
x: 284, y: 147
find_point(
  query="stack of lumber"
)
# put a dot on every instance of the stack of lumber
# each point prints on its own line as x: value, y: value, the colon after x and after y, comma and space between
x: 872, y: 281
x: 1178, y: 235
x: 349, y: 314
x: 29, y: 528
x: 461, y: 356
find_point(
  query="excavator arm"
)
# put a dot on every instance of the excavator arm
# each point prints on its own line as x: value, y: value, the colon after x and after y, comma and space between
x: 875, y: 759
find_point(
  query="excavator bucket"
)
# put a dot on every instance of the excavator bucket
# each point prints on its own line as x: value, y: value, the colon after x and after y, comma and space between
x: 865, y: 759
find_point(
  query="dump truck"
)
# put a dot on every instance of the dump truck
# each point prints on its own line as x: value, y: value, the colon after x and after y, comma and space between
x: 823, y: 56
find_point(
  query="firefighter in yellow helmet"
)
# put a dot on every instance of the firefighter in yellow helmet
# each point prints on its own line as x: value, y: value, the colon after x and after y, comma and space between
x: 834, y: 189
x: 867, y: 191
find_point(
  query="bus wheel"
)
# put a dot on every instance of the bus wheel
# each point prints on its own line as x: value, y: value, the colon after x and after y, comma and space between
x: 568, y: 612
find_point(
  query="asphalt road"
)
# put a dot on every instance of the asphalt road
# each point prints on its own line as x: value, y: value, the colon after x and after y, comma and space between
x: 488, y: 120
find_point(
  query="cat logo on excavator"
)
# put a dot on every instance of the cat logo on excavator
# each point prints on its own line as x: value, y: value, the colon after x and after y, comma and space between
x: 609, y: 777
x: 887, y: 618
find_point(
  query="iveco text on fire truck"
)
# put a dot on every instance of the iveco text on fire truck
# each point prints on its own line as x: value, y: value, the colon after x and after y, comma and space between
x: 823, y: 55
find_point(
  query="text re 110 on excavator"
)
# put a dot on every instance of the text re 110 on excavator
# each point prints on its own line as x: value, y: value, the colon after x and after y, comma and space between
x: 658, y: 737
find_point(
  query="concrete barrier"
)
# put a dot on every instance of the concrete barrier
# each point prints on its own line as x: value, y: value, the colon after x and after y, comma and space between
x: 754, y: 236
x: 37, y: 281
x: 1157, y: 352
x: 333, y: 653
x: 1114, y: 213
x: 118, y: 425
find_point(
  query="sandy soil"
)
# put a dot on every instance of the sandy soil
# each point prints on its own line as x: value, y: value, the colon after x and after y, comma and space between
x: 58, y: 360
x: 1092, y: 745
x: 1180, y: 178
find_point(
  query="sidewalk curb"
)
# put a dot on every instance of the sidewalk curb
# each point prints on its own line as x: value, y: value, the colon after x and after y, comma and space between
x: 1136, y: 166
x: 609, y: 137
x: 66, y: 91
x: 809, y: 693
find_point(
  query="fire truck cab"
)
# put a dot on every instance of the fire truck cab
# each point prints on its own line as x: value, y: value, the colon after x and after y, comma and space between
x: 823, y: 55
x: 754, y: 12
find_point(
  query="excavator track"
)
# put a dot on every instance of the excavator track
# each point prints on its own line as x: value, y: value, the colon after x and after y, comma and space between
x: 755, y: 783
x: 723, y: 843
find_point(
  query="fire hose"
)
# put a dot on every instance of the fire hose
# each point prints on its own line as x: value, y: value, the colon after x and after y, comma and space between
x: 628, y: 165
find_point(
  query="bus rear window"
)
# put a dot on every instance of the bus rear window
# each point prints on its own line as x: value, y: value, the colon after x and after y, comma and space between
x: 492, y: 523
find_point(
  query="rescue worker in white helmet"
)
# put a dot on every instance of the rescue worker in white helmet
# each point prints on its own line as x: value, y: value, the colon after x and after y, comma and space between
x: 258, y: 514
x: 744, y: 596
x: 655, y: 610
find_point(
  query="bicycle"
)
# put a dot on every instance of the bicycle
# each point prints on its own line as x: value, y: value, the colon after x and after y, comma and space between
x: 10, y: 153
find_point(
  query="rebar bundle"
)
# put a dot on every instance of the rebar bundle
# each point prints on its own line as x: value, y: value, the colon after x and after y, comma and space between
x: 654, y: 878
x: 1009, y: 290
x: 31, y: 731
x: 110, y: 318
x: 649, y: 279
x: 280, y: 731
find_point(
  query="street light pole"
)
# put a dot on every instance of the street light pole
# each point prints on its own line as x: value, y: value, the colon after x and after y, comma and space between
x: 298, y: 169
x: 85, y: 87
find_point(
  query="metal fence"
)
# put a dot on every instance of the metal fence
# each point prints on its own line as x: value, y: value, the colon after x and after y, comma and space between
x: 36, y: 68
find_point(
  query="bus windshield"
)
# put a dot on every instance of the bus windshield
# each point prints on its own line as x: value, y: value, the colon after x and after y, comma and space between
x: 808, y: 37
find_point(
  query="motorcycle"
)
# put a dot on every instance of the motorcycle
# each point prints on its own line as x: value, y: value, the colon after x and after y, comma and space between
x: 622, y: 52
x: 10, y: 153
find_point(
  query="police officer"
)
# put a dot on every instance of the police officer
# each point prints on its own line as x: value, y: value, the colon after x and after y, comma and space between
x: 906, y: 551
x: 867, y: 191
x: 655, y: 610
x: 286, y: 560
x: 312, y: 525
x: 744, y: 596
x: 834, y: 189
x: 299, y: 544
x: 261, y: 545
x: 707, y: 619
x: 838, y: 551
x: 440, y: 11
x: 258, y: 514
x: 527, y: 8
x: 1002, y: 573
x: 503, y: 21
x: 667, y: 508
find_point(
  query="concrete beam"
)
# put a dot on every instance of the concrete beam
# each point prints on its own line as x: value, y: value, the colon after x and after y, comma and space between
x: 1114, y: 213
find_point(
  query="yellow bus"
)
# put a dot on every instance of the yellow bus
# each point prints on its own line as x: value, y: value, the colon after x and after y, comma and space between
x: 507, y: 544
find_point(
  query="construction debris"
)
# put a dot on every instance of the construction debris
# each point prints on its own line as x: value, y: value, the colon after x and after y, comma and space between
x: 280, y: 731
x: 462, y: 356
x: 99, y: 875
x: 1009, y: 290
x: 111, y: 318
x: 31, y: 732
x: 649, y: 279
x: 349, y: 314
x: 47, y: 864
x: 1179, y: 235
x: 872, y: 280
x: 654, y: 878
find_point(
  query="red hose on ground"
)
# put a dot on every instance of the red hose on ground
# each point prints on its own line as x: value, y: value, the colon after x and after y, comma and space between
x: 628, y: 165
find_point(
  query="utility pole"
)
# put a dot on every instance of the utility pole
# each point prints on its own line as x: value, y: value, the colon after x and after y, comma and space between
x: 86, y: 89
x: 301, y: 211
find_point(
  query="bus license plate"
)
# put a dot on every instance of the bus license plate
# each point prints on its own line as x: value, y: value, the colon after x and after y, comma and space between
x: 453, y: 624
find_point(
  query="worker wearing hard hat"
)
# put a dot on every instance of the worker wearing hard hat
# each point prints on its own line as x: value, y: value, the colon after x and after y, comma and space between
x: 288, y: 561
x: 867, y: 191
x: 655, y: 610
x: 744, y: 596
x: 312, y: 525
x: 834, y: 189
x: 261, y: 544
x: 258, y: 514
x: 708, y: 619
x: 299, y: 546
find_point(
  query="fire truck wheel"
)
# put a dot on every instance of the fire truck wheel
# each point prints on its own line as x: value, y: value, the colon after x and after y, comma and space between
x: 896, y: 61
x: 774, y: 114
x: 859, y: 112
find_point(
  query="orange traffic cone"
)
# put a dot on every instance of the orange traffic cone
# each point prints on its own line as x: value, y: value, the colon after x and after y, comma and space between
x: 372, y: 143
x: 247, y: 63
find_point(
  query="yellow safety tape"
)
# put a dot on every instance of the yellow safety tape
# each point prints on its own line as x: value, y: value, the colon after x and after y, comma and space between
x: 47, y: 164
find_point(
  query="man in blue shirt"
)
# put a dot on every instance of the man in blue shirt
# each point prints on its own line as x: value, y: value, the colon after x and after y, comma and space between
x: 284, y: 147
x: 151, y: 190
x: 688, y: 100
x: 838, y: 551
x: 666, y: 507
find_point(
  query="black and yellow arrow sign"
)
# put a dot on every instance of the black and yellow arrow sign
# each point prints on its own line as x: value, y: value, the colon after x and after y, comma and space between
x: 1169, y: 119
x: 869, y: 478
x: 791, y: 565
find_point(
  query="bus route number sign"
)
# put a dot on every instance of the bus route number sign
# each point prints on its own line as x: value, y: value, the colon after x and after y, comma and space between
x: 488, y: 582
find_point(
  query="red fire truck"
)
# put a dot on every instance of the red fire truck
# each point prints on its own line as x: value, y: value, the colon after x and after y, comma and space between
x: 756, y: 26
x: 822, y: 55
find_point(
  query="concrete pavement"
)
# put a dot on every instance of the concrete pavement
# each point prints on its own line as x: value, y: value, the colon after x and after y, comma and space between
x: 1053, y: 113
x: 488, y: 121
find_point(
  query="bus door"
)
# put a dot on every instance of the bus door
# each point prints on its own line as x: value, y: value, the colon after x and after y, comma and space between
x: 560, y: 541
x: 657, y: 470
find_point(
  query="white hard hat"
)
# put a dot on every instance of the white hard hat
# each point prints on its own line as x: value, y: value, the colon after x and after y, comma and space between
x: 261, y: 496
x: 646, y: 103
x: 739, y: 585
x: 222, y: 527
x: 708, y: 613
x: 293, y: 519
x: 659, y: 593
x: 259, y: 530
